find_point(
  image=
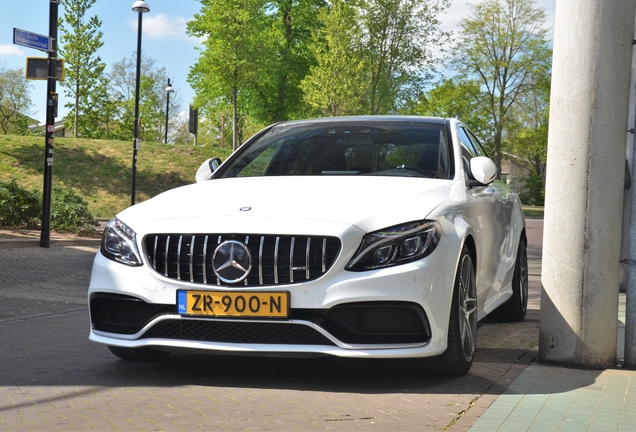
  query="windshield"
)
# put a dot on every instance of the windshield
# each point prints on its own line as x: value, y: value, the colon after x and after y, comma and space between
x: 408, y: 149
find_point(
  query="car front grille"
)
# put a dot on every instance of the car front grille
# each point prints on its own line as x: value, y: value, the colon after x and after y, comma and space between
x: 237, y: 332
x: 277, y: 259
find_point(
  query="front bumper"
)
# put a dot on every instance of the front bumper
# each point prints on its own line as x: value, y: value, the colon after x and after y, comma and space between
x: 395, y: 312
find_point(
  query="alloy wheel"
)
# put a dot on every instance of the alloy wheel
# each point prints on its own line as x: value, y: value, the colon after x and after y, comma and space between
x: 523, y: 277
x: 467, y: 308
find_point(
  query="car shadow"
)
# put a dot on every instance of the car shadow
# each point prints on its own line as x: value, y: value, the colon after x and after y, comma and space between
x: 54, y: 351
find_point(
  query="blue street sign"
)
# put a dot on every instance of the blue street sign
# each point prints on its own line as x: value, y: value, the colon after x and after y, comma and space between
x: 31, y: 40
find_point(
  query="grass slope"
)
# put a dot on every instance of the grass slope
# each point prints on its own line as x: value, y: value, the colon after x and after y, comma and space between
x: 101, y: 170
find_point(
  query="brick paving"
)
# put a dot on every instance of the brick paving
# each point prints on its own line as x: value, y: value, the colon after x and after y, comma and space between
x: 52, y: 378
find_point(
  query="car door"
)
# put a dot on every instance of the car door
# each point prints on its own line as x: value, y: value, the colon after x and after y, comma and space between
x: 492, y: 212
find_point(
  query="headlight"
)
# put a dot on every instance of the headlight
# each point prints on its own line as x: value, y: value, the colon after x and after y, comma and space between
x: 119, y: 243
x: 396, y: 245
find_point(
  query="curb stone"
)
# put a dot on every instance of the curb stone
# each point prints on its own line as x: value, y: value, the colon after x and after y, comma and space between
x: 32, y: 242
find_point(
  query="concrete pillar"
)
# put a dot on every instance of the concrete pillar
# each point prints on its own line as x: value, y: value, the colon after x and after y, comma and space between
x: 627, y: 259
x: 631, y: 119
x: 584, y: 185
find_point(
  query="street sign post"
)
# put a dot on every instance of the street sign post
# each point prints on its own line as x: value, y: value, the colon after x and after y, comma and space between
x: 31, y: 40
x: 37, y: 68
x: 47, y: 44
x: 51, y: 108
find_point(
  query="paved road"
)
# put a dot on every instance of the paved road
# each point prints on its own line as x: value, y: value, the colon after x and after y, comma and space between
x: 53, y: 378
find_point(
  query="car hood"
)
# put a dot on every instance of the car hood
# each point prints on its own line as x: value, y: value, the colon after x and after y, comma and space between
x: 367, y: 202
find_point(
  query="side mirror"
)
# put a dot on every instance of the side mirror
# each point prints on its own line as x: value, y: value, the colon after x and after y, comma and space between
x: 483, y: 170
x: 206, y: 169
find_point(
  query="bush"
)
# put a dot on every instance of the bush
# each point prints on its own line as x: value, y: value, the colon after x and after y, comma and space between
x: 19, y: 207
x: 69, y: 212
x: 534, y: 191
x: 22, y: 208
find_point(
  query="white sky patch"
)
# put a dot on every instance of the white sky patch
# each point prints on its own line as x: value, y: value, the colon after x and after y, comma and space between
x: 459, y: 9
x: 550, y: 8
x: 11, y: 50
x: 162, y: 26
x: 184, y: 115
x: 453, y: 15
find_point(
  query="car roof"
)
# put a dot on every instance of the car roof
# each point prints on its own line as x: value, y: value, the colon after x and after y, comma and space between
x: 369, y: 119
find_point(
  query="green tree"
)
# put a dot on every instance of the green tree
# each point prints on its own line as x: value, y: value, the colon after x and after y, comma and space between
x: 337, y: 84
x: 526, y: 139
x: 101, y: 109
x: 15, y: 100
x: 152, y: 99
x: 399, y: 39
x: 456, y: 98
x: 502, y: 43
x: 150, y: 117
x: 231, y: 61
x: 179, y: 133
x: 80, y: 39
x: 291, y: 27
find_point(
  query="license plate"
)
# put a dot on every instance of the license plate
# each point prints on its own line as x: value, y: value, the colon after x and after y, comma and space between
x: 233, y: 304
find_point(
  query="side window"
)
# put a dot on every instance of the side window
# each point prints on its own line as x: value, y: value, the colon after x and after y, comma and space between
x: 476, y: 144
x: 480, y: 149
x: 468, y: 150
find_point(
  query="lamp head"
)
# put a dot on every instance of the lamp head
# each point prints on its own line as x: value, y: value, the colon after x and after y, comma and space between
x: 141, y: 6
x: 169, y: 89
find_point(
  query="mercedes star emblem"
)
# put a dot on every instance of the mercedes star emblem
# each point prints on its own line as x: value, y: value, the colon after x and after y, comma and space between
x: 231, y: 261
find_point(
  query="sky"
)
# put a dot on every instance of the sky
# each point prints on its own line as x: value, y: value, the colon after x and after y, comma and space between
x: 164, y: 37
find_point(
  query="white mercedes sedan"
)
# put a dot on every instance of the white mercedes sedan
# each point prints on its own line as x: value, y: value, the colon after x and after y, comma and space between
x: 367, y: 237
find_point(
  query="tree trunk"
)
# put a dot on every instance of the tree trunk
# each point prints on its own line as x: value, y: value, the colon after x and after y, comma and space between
x: 496, y: 156
x: 234, y: 120
x: 281, y: 113
x: 76, y: 109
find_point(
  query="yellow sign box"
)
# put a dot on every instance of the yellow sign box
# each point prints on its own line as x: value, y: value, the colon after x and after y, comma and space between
x: 37, y: 68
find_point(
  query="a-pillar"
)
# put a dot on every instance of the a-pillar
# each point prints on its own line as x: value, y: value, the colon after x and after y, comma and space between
x: 585, y: 177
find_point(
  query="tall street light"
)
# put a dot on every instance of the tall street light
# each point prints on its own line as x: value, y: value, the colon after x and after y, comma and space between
x: 140, y: 7
x: 169, y: 90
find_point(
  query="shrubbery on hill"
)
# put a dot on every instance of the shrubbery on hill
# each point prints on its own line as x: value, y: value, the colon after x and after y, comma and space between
x: 69, y: 212
x: 19, y: 207
x: 22, y: 208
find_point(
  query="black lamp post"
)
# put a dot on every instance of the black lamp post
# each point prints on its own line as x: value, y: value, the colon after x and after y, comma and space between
x: 140, y: 7
x: 169, y: 90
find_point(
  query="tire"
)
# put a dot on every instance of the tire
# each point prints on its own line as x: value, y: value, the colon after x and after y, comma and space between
x: 138, y: 354
x: 462, y: 326
x: 515, y: 308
